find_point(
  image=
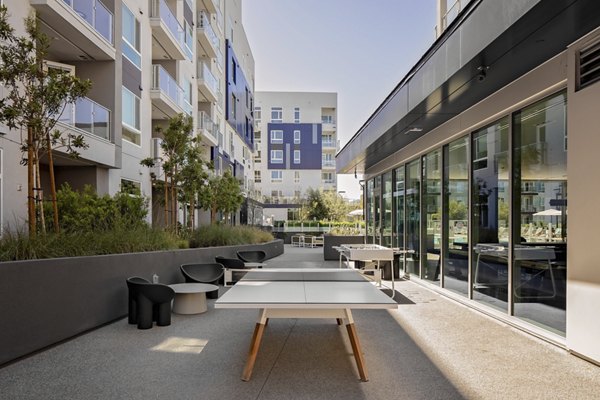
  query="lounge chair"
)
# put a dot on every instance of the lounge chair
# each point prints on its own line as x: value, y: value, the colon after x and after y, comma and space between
x: 203, y: 273
x: 149, y: 302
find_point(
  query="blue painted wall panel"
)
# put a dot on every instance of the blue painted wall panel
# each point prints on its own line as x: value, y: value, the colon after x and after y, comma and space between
x: 241, y: 117
x: 310, y: 145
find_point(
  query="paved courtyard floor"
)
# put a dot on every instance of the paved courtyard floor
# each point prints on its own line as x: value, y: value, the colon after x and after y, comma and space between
x: 430, y: 348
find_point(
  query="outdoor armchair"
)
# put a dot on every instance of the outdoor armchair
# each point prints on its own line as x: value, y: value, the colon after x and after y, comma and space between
x: 149, y: 302
x: 254, y: 256
x: 203, y: 273
x: 231, y: 265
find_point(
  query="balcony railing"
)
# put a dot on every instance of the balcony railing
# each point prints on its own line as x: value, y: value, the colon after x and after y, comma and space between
x: 327, y: 119
x: 161, y: 10
x: 329, y: 143
x: 204, y: 24
x: 208, y: 77
x: 96, y: 15
x: 89, y: 116
x: 161, y: 80
x: 206, y: 123
x: 328, y: 163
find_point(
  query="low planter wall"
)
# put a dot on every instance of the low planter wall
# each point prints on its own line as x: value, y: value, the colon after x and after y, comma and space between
x: 46, y: 301
x: 331, y: 240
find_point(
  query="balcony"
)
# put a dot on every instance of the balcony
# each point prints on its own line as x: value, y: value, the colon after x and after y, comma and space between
x: 167, y: 96
x: 328, y: 164
x: 207, y: 83
x: 92, y: 120
x: 85, y: 28
x: 207, y: 129
x: 328, y: 123
x: 330, y: 144
x: 167, y: 33
x: 212, y: 5
x: 207, y: 38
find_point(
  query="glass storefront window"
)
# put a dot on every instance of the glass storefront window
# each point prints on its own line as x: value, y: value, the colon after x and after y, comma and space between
x: 377, y: 210
x: 413, y: 216
x: 369, y: 211
x: 386, y: 215
x: 490, y: 213
x: 398, y: 238
x: 540, y: 200
x: 432, y: 215
x: 456, y: 208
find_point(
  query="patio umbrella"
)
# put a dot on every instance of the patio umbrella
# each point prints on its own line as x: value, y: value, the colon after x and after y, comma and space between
x: 356, y: 213
x: 551, y: 212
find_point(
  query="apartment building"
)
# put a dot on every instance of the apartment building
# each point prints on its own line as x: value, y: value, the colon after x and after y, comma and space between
x: 472, y: 160
x: 296, y: 141
x: 148, y: 61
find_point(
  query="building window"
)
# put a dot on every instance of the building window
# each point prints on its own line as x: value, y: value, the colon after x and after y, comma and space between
x: 131, y: 37
x: 257, y: 176
x: 233, y: 107
x: 296, y: 176
x: 297, y: 137
x: 131, y: 117
x: 276, y: 136
x: 130, y: 187
x: 247, y: 98
x: 296, y: 156
x: 327, y: 177
x: 277, y: 156
x: 276, y: 176
x: 297, y: 194
x: 257, y: 114
x: 297, y: 115
x: 276, y: 114
x: 233, y: 71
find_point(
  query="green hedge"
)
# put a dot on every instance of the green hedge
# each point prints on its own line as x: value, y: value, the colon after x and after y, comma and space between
x: 225, y: 235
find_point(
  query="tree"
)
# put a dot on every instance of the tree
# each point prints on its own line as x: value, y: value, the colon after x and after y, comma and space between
x: 35, y: 97
x: 222, y: 193
x: 193, y: 176
x: 315, y: 205
x: 176, y: 147
x: 337, y: 207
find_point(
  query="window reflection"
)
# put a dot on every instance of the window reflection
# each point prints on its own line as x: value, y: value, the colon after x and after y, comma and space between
x: 432, y: 215
x: 456, y: 207
x: 369, y: 212
x: 386, y: 215
x: 413, y: 216
x: 540, y: 186
x: 490, y: 213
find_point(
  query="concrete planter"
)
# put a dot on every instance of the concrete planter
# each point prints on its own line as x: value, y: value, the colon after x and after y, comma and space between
x: 331, y: 240
x: 47, y: 301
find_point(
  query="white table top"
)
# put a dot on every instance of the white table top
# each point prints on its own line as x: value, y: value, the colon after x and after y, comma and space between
x: 348, y: 290
x: 193, y: 287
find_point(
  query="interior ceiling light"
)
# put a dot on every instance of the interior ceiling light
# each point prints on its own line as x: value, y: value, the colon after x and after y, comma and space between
x: 413, y: 129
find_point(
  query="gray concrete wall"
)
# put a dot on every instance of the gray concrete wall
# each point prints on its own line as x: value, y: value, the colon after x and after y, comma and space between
x: 47, y: 301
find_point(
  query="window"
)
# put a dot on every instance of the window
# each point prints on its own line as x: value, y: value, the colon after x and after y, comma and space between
x: 233, y: 71
x: 277, y: 136
x: 327, y: 177
x: 296, y: 156
x: 277, y: 156
x: 296, y: 137
x: 130, y: 187
x: 276, y: 176
x: 276, y: 114
x: 297, y: 115
x: 297, y: 194
x: 257, y: 114
x: 233, y: 107
x: 247, y: 98
x: 257, y: 176
x: 296, y: 176
x: 131, y: 117
x: 131, y: 37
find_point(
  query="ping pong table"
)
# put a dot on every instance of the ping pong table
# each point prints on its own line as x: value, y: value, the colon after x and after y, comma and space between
x: 305, y: 293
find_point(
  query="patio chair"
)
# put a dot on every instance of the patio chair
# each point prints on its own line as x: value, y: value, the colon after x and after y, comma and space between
x: 309, y: 241
x: 253, y: 256
x: 231, y: 265
x: 149, y: 302
x: 203, y: 273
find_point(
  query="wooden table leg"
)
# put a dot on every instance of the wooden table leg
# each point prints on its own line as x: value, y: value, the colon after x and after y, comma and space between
x: 256, y: 337
x: 358, y: 356
x: 339, y: 321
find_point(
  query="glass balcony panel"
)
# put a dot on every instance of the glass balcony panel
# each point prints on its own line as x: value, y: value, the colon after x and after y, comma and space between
x: 132, y: 54
x: 164, y: 82
x: 208, y: 77
x: 204, y: 23
x: 96, y: 15
x: 101, y: 122
x: 92, y: 118
x: 170, y: 21
x: 83, y: 115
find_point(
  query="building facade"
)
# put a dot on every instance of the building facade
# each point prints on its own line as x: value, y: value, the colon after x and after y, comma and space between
x: 471, y: 161
x: 296, y: 141
x: 148, y: 61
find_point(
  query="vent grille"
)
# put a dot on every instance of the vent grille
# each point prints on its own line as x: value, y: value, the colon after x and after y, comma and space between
x: 589, y: 66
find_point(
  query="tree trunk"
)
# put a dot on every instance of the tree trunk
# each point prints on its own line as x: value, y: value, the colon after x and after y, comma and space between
x: 174, y: 201
x: 52, y: 183
x: 39, y: 194
x: 213, y: 215
x: 166, y: 202
x: 30, y: 195
x: 193, y: 213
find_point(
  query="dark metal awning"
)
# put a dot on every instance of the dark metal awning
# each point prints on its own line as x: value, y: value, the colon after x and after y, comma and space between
x: 490, y: 44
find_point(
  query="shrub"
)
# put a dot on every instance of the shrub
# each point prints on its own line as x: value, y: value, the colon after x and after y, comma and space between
x: 225, y: 235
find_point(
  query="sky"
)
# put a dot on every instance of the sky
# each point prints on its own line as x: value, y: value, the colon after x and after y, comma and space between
x: 359, y: 49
